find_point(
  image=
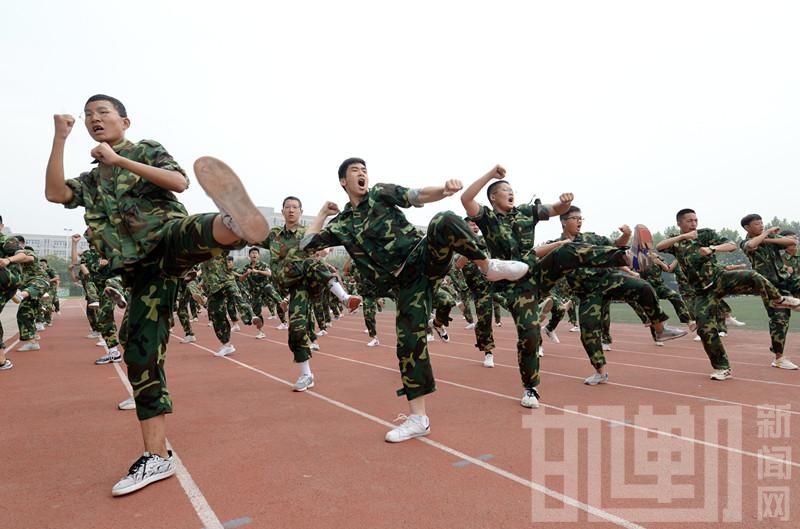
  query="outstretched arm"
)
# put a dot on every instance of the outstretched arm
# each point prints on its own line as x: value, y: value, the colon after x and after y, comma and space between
x: 563, y: 204
x: 471, y: 205
x: 55, y: 189
x: 426, y: 195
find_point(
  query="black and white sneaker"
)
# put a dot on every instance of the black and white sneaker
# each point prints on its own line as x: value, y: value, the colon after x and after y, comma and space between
x: 148, y: 469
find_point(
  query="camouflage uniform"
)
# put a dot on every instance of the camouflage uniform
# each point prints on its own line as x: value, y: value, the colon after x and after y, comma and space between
x: 369, y: 296
x: 47, y: 305
x: 462, y: 292
x: 767, y: 261
x: 710, y: 283
x: 444, y: 299
x: 596, y: 288
x: 560, y: 294
x: 392, y: 255
x: 146, y: 235
x: 481, y: 290
x: 652, y: 275
x: 10, y: 276
x: 101, y: 277
x: 294, y: 270
x: 35, y: 282
x: 188, y: 290
x: 220, y: 285
x: 511, y: 236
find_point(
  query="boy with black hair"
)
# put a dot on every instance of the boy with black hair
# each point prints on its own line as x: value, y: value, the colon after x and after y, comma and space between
x: 695, y: 251
x: 763, y: 248
x: 404, y: 264
x: 145, y: 233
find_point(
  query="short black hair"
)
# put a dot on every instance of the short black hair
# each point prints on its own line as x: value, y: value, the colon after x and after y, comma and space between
x: 347, y: 163
x: 42, y: 260
x: 20, y: 238
x: 681, y: 213
x: 229, y: 257
x: 113, y: 100
x: 787, y: 233
x: 570, y: 211
x: 490, y: 189
x: 290, y: 197
x: 254, y: 249
x: 747, y: 219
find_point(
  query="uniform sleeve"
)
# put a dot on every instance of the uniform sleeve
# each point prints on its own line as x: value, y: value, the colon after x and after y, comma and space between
x: 535, y: 211
x: 324, y: 239
x: 482, y: 219
x: 154, y: 154
x: 393, y: 195
x: 78, y: 187
x: 712, y: 238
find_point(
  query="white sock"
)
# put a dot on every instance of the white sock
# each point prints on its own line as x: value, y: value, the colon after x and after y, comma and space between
x: 305, y: 368
x: 338, y: 290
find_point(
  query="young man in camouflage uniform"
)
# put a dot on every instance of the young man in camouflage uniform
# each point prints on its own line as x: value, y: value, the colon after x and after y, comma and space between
x: 257, y: 275
x: 695, y: 251
x: 596, y: 288
x: 402, y: 263
x: 10, y: 276
x: 34, y: 284
x: 297, y: 271
x: 763, y: 248
x: 144, y: 232
x: 105, y: 281
x: 509, y: 233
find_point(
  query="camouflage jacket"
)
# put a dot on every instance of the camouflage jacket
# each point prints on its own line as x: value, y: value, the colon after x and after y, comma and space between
x: 583, y: 280
x: 701, y: 271
x: 216, y: 275
x: 767, y: 260
x: 256, y: 283
x: 375, y: 233
x: 511, y: 235
x: 652, y: 274
x: 473, y: 277
x: 283, y: 245
x: 123, y: 210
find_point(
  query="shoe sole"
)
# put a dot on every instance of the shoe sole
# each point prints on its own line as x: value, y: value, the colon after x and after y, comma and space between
x: 223, y: 186
x: 778, y: 366
x: 300, y: 390
x: 423, y: 434
x: 142, y: 484
x: 668, y: 338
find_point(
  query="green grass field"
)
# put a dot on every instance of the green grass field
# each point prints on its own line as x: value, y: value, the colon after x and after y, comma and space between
x: 747, y: 309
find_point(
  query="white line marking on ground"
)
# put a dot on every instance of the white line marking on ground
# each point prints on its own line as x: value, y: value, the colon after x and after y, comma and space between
x: 204, y: 511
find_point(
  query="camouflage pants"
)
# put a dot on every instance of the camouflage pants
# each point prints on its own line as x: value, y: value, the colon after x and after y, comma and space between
x: 443, y: 303
x: 594, y: 309
x: 779, y: 318
x: 104, y: 315
x: 153, y: 284
x: 370, y: 307
x: 556, y: 313
x: 427, y: 264
x: 187, y: 292
x: 481, y: 292
x: 522, y: 297
x: 300, y: 323
x: 5, y: 296
x: 318, y: 306
x: 30, y: 307
x: 465, y: 297
x: 708, y: 309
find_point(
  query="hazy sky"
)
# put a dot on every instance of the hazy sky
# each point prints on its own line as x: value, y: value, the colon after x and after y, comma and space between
x: 639, y: 108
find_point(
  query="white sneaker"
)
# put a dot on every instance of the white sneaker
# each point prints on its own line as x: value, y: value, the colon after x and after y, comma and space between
x: 92, y: 335
x: 282, y: 326
x: 189, y: 338
x: 413, y: 426
x: 723, y: 334
x: 303, y: 383
x: 597, y: 378
x: 235, y: 327
x: 211, y: 324
x: 225, y: 350
x: 606, y: 347
x: 195, y: 319
x: 540, y: 352
x: 6, y: 365
x: 505, y: 270
x: 146, y: 470
x: 787, y: 302
x: 730, y: 320
x: 373, y: 342
x: 470, y: 326
x: 366, y: 331
x: 530, y: 399
x: 322, y: 332
x: 39, y: 326
x: 783, y: 363
x: 260, y: 335
x: 551, y: 335
x: 659, y: 344
x: 721, y: 374
x: 488, y: 360
x: 429, y: 337
x: 113, y: 355
x: 498, y: 324
x: 314, y: 346
x: 127, y: 404
x: 30, y: 345
x: 575, y: 328
x: 697, y: 338
x: 101, y: 343
x: 94, y: 305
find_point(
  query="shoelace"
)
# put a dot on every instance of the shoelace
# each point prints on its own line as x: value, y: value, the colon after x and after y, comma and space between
x: 401, y: 417
x: 142, y: 461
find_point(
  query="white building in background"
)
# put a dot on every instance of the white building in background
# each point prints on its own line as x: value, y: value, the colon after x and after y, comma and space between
x: 58, y: 245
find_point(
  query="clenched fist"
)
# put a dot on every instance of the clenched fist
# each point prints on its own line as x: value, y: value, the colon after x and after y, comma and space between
x: 63, y: 125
